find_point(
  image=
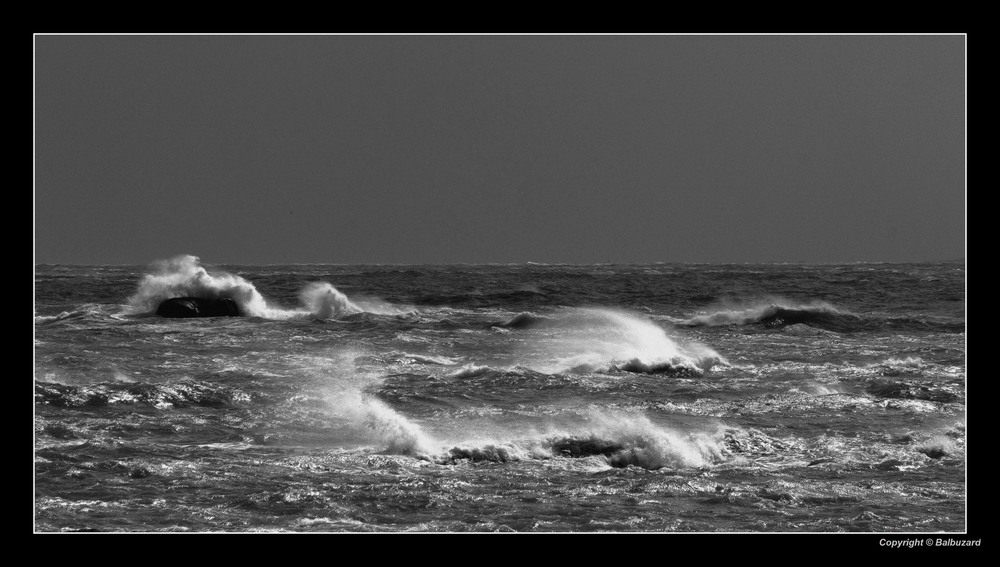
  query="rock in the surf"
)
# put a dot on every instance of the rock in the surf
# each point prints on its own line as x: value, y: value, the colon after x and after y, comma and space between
x: 198, y: 307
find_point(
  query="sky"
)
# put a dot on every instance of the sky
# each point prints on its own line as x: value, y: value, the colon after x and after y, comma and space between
x: 414, y: 149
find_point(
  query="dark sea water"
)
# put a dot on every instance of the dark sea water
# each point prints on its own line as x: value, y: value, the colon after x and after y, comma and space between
x: 483, y: 398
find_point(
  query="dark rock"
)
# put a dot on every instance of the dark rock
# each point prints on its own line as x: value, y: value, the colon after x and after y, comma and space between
x: 933, y: 452
x: 198, y: 307
x: 139, y: 472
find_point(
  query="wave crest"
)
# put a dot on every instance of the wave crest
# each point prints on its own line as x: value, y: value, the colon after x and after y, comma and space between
x: 604, y: 339
x: 627, y: 439
x: 184, y: 276
x: 768, y: 313
x: 619, y: 441
x: 325, y: 301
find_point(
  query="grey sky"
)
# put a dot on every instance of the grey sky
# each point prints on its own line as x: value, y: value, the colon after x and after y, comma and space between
x: 440, y: 149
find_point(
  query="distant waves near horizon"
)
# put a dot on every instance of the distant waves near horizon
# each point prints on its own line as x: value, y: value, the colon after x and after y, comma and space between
x: 502, y: 397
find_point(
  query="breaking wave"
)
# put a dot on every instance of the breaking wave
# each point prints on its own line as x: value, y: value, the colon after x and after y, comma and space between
x: 616, y: 440
x: 184, y: 276
x: 780, y: 313
x: 590, y: 339
x: 769, y: 315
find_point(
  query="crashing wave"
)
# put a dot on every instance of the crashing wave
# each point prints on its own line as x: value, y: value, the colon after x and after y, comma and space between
x: 184, y: 276
x: 615, y: 440
x: 676, y: 367
x: 609, y: 340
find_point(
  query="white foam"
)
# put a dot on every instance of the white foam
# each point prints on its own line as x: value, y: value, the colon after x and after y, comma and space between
x: 652, y: 446
x: 605, y: 437
x: 183, y: 276
x: 601, y: 338
x: 469, y: 371
x: 367, y: 416
x: 324, y: 301
x: 910, y: 361
x: 426, y: 359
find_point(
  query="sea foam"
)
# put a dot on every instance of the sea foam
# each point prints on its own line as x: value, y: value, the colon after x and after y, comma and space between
x: 184, y: 276
x: 614, y: 439
x: 345, y: 389
x: 605, y: 339
x: 633, y: 439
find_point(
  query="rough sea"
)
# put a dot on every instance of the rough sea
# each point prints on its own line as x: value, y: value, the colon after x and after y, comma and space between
x: 498, y: 398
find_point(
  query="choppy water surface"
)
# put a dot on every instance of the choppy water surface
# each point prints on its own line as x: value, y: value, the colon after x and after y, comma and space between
x: 660, y: 397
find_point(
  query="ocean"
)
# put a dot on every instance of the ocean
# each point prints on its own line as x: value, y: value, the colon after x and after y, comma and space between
x: 502, y: 398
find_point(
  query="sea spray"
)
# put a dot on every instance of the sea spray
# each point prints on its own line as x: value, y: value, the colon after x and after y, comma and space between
x: 385, y: 425
x: 632, y: 439
x: 617, y: 439
x: 324, y: 301
x: 184, y: 276
x: 278, y: 431
x: 605, y: 339
x: 348, y: 400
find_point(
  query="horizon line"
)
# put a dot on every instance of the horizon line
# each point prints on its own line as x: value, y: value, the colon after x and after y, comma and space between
x: 537, y: 263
